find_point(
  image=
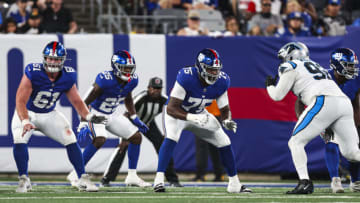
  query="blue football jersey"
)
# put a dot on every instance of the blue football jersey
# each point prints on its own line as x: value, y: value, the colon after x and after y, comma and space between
x: 197, y: 95
x: 350, y: 87
x: 113, y: 92
x: 45, y: 93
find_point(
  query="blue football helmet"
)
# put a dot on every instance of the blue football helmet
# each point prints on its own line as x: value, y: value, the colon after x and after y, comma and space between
x: 54, y: 55
x: 292, y: 51
x: 344, y: 61
x: 123, y: 64
x: 209, y: 65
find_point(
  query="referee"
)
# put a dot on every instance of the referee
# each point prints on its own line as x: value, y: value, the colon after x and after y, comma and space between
x: 148, y: 104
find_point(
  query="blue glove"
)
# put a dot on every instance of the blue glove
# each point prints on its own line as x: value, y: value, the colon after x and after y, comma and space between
x: 141, y: 125
x: 83, y: 130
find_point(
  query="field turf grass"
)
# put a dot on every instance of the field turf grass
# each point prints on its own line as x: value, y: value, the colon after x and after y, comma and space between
x: 192, y: 192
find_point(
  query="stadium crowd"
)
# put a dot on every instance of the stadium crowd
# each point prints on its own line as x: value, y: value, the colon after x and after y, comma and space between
x: 242, y: 17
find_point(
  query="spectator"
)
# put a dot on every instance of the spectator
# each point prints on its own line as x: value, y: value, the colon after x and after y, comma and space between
x: 333, y: 19
x: 294, y: 6
x: 265, y: 23
x: 9, y: 26
x: 164, y: 4
x: 244, y: 11
x: 1, y: 20
x: 200, y: 4
x: 193, y: 28
x: 308, y: 7
x: 18, y: 12
x: 232, y: 27
x: 56, y: 18
x: 32, y: 26
x: 294, y: 27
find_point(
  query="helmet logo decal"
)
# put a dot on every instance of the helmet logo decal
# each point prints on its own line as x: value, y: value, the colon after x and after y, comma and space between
x: 338, y: 56
x: 201, y: 57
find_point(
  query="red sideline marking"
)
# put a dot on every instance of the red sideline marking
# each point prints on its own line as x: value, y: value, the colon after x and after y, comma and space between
x: 255, y: 103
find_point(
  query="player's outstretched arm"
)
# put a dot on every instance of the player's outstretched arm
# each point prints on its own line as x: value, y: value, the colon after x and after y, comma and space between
x: 226, y: 119
x: 284, y: 85
x: 174, y: 109
x: 92, y: 94
x: 129, y: 103
x: 22, y: 96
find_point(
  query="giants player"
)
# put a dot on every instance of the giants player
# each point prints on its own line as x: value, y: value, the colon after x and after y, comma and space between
x: 40, y: 87
x: 194, y: 89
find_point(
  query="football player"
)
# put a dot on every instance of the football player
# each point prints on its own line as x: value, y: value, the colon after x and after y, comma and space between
x: 326, y: 105
x: 111, y: 88
x: 40, y: 87
x: 194, y: 89
x: 344, y: 72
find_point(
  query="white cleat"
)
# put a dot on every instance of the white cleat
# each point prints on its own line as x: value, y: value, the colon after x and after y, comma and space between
x: 354, y: 186
x: 336, y: 186
x: 24, y: 184
x: 73, y: 179
x: 85, y: 184
x: 236, y: 187
x: 136, y: 181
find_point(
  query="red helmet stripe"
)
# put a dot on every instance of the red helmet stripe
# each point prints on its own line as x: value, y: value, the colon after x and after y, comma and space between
x: 54, y: 48
x: 129, y: 56
x: 214, y: 52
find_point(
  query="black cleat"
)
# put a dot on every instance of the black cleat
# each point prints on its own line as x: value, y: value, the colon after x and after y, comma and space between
x: 104, y: 182
x: 159, y: 187
x: 304, y: 187
x: 244, y: 189
x: 175, y: 184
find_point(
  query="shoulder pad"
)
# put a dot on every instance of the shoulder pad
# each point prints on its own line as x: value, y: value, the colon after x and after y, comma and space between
x: 286, y: 66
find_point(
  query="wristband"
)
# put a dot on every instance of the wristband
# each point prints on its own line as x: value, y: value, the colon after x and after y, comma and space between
x: 25, y: 122
x: 133, y: 116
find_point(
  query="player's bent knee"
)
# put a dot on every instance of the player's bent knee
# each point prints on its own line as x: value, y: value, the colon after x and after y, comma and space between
x: 98, y: 142
x: 225, y: 141
x: 136, y: 138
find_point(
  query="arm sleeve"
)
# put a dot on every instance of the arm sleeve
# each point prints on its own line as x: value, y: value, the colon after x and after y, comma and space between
x: 100, y: 80
x: 223, y: 100
x: 284, y: 85
x: 28, y: 71
x: 178, y: 91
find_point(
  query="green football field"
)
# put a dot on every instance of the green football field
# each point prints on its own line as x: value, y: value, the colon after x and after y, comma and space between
x: 263, y: 192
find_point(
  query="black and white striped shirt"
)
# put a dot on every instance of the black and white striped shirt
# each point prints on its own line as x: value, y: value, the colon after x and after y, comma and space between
x: 147, y: 108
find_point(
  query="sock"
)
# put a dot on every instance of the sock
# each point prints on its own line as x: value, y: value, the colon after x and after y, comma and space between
x: 76, y: 158
x: 89, y: 152
x: 354, y: 168
x: 227, y: 158
x: 132, y: 172
x: 332, y: 159
x: 21, y: 156
x: 133, y: 155
x: 159, y: 178
x: 165, y: 154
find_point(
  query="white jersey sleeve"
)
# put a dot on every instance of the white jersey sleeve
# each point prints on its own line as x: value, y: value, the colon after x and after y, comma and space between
x: 223, y: 100
x: 284, y: 85
x: 178, y: 91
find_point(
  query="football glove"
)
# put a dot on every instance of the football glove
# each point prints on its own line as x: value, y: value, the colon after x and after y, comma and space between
x: 143, y: 128
x: 271, y: 81
x: 83, y: 130
x: 327, y: 135
x: 229, y: 125
x: 200, y: 119
x: 96, y: 119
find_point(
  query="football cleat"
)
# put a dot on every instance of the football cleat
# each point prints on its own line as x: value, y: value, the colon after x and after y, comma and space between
x: 159, y: 187
x: 304, y: 187
x: 104, y: 182
x: 135, y: 181
x: 73, y: 179
x: 236, y: 187
x: 336, y: 186
x: 354, y: 186
x: 85, y: 184
x: 175, y: 184
x: 24, y: 184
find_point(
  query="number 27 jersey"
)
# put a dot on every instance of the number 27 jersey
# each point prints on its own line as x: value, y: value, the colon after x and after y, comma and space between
x: 311, y: 80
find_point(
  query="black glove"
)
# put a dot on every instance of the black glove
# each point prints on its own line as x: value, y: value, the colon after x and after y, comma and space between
x: 271, y: 81
x: 328, y: 135
x: 96, y: 119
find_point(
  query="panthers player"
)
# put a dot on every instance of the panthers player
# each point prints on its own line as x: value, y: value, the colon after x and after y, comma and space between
x: 40, y: 87
x: 194, y: 89
x: 326, y: 105
x: 111, y: 88
x: 344, y: 71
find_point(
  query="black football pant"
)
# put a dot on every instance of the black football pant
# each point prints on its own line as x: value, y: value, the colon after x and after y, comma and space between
x: 156, y: 138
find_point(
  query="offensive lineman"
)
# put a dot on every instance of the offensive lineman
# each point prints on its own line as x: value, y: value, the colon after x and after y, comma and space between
x: 111, y: 88
x: 326, y: 104
x: 40, y: 87
x: 194, y: 89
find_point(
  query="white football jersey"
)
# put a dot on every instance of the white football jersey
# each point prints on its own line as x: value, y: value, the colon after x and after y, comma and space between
x: 310, y: 80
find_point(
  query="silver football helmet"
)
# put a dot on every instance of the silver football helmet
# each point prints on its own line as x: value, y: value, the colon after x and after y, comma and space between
x: 293, y: 50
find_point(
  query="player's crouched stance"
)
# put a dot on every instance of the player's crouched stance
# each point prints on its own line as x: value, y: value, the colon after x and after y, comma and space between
x: 40, y: 87
x: 194, y: 89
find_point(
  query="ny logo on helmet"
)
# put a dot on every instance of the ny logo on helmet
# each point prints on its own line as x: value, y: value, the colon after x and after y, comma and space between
x: 338, y: 56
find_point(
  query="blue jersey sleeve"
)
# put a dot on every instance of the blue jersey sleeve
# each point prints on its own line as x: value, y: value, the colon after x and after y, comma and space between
x: 103, y: 79
x: 28, y: 71
x: 134, y: 82
x: 184, y: 77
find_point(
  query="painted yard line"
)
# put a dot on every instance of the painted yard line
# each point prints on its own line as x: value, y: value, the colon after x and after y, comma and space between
x: 177, y: 197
